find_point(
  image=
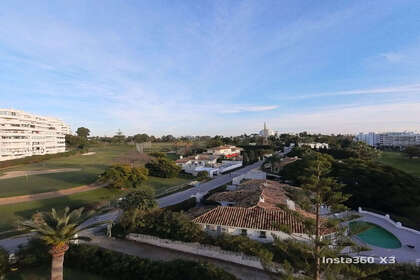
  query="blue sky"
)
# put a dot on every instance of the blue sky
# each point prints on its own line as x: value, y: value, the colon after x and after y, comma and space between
x: 214, y: 67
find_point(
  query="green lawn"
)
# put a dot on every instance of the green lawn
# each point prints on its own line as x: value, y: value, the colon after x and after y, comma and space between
x: 91, y: 166
x: 400, y: 161
x: 9, y: 214
x: 44, y: 274
x: 44, y: 183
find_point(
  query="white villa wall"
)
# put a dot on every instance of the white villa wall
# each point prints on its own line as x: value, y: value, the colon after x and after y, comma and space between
x: 253, y: 234
x: 389, y: 220
x: 229, y: 165
x: 198, y: 249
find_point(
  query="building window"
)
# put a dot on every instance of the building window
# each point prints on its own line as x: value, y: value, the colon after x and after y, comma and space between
x: 263, y: 234
x: 243, y: 232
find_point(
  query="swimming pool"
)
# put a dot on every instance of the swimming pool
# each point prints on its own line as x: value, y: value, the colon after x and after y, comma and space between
x: 377, y: 236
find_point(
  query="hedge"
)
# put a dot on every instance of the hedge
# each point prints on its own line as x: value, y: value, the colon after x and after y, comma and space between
x: 116, y: 265
x: 36, y: 158
x: 205, y: 200
x: 4, y: 263
x: 183, y: 206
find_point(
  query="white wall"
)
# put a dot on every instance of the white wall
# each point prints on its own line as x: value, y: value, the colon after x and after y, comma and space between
x: 253, y: 233
x: 389, y: 220
x: 198, y: 249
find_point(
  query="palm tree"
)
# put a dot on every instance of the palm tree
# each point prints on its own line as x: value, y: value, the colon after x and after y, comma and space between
x: 58, y: 231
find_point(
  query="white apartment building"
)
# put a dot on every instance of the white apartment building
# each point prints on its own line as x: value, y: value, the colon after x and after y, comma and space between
x: 23, y: 134
x: 315, y: 145
x: 390, y: 139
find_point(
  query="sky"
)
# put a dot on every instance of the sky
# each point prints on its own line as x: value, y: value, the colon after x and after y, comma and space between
x: 196, y: 67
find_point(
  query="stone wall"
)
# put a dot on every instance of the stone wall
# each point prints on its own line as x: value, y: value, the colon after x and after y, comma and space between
x: 198, y: 249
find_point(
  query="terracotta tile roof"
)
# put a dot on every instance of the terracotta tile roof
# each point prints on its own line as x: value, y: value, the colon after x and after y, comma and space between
x: 254, y: 218
x: 183, y: 160
x: 248, y: 197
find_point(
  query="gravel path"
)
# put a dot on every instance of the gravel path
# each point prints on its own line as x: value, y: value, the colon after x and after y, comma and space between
x: 47, y: 195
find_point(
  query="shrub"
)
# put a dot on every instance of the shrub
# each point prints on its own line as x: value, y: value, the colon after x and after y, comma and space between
x: 202, y: 175
x: 35, y: 253
x: 237, y: 243
x: 183, y: 206
x: 142, y: 199
x: 157, y: 154
x: 124, y: 176
x: 163, y: 167
x: 162, y: 223
x: 4, y: 263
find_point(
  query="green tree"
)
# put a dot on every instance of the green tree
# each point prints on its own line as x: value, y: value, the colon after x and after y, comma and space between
x: 143, y: 199
x: 326, y: 191
x: 76, y: 141
x: 57, y: 231
x: 141, y: 138
x: 4, y: 263
x: 201, y: 175
x: 157, y: 154
x: 412, y: 151
x: 83, y: 132
x: 163, y: 224
x: 163, y: 167
x: 119, y: 137
x: 215, y: 142
x: 124, y: 176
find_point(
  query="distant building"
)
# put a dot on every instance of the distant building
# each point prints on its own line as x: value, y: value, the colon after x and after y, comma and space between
x: 315, y: 145
x: 389, y: 139
x: 266, y: 132
x: 23, y: 134
x: 228, y: 151
x: 207, y: 163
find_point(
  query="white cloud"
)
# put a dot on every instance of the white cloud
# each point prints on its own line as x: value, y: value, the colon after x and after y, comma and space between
x: 393, y: 57
x: 403, y: 89
x: 240, y: 109
x: 383, y: 117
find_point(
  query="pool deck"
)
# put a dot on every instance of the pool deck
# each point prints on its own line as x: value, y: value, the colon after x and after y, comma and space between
x: 403, y: 254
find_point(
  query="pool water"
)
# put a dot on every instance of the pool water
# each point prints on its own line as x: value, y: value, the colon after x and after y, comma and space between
x: 377, y: 236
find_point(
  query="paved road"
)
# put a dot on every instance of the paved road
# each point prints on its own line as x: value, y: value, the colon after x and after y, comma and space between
x: 205, y: 187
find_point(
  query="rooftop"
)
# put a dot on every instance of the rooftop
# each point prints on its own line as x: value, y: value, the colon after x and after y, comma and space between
x: 254, y: 218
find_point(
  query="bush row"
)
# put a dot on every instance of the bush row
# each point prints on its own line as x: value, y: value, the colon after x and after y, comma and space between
x: 117, y: 265
x: 183, y: 206
x: 37, y: 158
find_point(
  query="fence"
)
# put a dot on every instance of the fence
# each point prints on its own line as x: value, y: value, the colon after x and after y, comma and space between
x: 387, y: 218
x: 198, y: 249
